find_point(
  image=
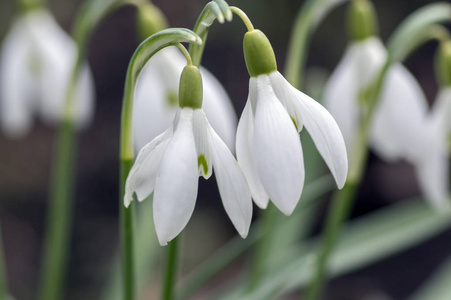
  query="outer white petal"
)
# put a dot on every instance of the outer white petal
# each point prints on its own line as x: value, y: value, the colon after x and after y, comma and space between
x: 219, y: 109
x: 17, y: 86
x: 176, y: 184
x: 200, y: 129
x: 442, y: 107
x: 141, y: 179
x: 232, y: 184
x: 245, y: 154
x: 278, y: 151
x: 85, y: 96
x: 399, y: 116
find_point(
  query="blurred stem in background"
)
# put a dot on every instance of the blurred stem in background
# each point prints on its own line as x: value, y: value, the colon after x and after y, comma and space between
x: 170, y: 275
x: 417, y: 29
x: 3, y: 277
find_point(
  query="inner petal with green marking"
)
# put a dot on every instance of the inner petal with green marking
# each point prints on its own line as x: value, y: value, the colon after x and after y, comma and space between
x: 202, y: 161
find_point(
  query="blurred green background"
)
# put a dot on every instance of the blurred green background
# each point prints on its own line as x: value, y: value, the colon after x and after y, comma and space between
x: 25, y: 163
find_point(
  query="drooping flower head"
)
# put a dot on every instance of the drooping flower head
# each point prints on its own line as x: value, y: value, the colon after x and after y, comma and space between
x: 268, y: 144
x: 36, y: 61
x: 156, y: 94
x: 169, y: 166
x: 399, y: 126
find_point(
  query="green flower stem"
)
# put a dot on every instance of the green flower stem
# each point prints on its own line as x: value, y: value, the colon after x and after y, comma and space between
x: 59, y: 215
x: 143, y: 53
x: 214, y: 10
x: 341, y: 205
x: 263, y: 247
x: 3, y: 277
x: 126, y: 219
x: 243, y: 17
x: 170, y: 276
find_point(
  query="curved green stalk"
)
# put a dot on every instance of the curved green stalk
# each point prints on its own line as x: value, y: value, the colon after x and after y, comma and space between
x: 142, y: 54
x: 214, y: 10
x: 404, y: 40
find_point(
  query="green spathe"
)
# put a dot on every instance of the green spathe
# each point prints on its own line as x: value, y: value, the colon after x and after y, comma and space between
x: 362, y: 20
x: 190, y: 91
x: 258, y: 53
x: 443, y: 63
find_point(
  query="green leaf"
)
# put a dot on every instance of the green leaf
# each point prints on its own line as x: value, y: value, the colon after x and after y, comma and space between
x: 438, y: 286
x: 364, y: 241
x: 411, y: 31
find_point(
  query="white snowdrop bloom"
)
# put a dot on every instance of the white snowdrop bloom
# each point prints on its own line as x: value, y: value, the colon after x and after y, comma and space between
x: 268, y: 144
x: 400, y: 112
x: 432, y: 161
x: 156, y: 99
x: 36, y: 61
x: 169, y: 166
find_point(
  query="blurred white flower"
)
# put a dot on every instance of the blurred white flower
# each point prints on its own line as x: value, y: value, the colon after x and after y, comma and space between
x: 156, y: 99
x: 170, y: 166
x: 36, y: 61
x: 268, y: 145
x: 401, y: 127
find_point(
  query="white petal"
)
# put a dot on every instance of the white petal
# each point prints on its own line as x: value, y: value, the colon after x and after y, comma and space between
x: 232, y: 184
x: 356, y: 70
x: 399, y: 116
x: 433, y: 178
x: 319, y: 123
x: 152, y: 113
x: 17, y: 85
x: 176, y: 184
x: 442, y: 107
x: 200, y: 125
x: 141, y: 179
x: 278, y: 152
x: 340, y: 99
x: 219, y: 109
x: 245, y: 155
x: 85, y: 96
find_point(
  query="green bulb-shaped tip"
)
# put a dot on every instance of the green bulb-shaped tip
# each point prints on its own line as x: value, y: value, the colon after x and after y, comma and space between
x: 190, y: 91
x: 443, y: 63
x: 258, y: 53
x: 362, y: 20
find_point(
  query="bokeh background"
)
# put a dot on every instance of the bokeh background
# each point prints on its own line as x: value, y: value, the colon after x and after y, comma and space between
x: 25, y: 164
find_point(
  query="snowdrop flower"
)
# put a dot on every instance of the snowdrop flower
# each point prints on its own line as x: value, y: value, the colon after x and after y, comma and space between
x: 169, y: 166
x: 156, y: 100
x: 36, y: 61
x: 401, y: 127
x: 268, y: 145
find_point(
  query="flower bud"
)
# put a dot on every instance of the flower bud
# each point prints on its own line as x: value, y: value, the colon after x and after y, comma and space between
x: 362, y: 20
x: 443, y: 63
x: 190, y: 91
x: 258, y: 53
x: 149, y: 20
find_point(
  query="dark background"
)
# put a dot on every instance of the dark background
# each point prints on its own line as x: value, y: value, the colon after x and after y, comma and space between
x: 25, y: 163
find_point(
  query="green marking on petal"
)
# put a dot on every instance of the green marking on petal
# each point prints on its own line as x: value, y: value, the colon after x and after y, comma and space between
x: 295, y: 123
x: 172, y: 99
x: 202, y: 161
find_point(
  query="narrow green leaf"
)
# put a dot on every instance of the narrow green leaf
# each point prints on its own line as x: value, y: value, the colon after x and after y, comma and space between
x: 364, y: 241
x: 438, y: 286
